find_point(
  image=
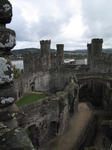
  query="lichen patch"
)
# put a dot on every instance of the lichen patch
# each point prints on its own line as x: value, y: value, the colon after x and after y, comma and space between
x: 7, y: 7
x: 4, y: 67
x: 7, y: 100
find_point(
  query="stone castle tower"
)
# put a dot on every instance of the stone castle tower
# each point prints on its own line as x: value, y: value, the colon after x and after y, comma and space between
x: 94, y: 53
x: 45, y: 60
x: 60, y: 54
x: 45, y: 54
x: 89, y: 53
x: 97, y: 47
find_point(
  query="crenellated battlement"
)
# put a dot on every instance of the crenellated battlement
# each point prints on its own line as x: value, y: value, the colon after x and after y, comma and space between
x: 45, y: 42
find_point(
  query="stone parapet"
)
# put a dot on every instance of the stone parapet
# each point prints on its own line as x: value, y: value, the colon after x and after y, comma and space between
x: 11, y: 136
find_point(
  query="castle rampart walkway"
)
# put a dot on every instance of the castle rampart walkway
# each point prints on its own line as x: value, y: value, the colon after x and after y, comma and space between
x: 73, y: 131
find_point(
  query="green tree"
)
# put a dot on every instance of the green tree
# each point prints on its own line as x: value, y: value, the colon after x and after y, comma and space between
x: 17, y: 72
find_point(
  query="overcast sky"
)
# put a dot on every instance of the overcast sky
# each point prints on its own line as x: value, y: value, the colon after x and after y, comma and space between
x: 70, y: 22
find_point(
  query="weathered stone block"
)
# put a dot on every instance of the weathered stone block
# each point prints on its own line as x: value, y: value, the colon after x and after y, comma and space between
x: 7, y: 40
x: 8, y: 112
x: 7, y: 94
x: 5, y: 11
x: 14, y: 139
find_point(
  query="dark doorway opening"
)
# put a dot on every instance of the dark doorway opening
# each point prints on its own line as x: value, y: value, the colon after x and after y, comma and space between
x: 91, y: 92
x: 34, y: 134
x: 53, y: 129
x: 32, y: 88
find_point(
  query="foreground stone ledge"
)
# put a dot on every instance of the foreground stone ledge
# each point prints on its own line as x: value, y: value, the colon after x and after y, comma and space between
x: 5, y: 11
x: 14, y: 139
x: 8, y: 112
x: 7, y: 39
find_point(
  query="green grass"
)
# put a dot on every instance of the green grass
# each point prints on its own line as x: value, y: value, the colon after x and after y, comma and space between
x: 33, y: 97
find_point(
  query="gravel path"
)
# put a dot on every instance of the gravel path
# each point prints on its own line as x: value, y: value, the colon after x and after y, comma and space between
x: 73, y: 130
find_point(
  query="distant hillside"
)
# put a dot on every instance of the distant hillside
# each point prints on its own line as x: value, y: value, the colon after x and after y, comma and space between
x: 37, y: 50
x: 107, y: 50
x: 84, y: 51
x: 27, y: 51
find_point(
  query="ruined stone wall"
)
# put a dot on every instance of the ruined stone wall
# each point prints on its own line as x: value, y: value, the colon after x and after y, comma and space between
x: 103, y: 64
x: 39, y: 81
x: 32, y: 63
x: 50, y: 116
x: 53, y: 80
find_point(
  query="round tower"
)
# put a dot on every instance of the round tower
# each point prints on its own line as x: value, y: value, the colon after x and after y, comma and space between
x: 97, y: 47
x: 89, y: 51
x: 60, y: 54
x: 45, y: 54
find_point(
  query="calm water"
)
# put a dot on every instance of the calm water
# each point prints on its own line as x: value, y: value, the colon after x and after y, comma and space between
x: 78, y: 61
x: 18, y: 63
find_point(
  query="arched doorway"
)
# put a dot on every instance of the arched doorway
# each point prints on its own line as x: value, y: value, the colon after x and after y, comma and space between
x: 32, y: 88
x: 32, y: 85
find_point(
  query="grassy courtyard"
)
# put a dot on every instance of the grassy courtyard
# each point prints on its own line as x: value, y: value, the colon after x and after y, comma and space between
x: 32, y: 97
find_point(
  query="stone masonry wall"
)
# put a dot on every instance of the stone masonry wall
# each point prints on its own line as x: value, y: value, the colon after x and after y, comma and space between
x: 50, y: 116
x: 53, y: 80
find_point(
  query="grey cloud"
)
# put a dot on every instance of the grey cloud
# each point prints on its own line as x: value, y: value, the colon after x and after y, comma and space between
x: 97, y: 18
x: 46, y: 27
x: 19, y: 25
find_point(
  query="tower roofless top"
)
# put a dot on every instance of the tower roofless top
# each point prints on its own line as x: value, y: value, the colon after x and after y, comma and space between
x: 45, y: 42
x: 97, y: 40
